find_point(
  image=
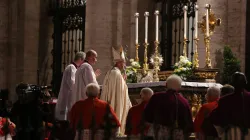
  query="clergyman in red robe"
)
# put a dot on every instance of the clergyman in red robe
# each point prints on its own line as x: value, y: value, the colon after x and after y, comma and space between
x: 231, y: 117
x: 92, y: 113
x: 212, y: 96
x: 170, y: 112
x: 135, y: 124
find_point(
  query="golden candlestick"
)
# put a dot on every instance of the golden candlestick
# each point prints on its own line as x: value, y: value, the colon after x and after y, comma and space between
x: 196, y: 60
x: 208, y: 59
x: 136, y: 52
x: 145, y: 65
x: 185, y: 47
x: 213, y: 22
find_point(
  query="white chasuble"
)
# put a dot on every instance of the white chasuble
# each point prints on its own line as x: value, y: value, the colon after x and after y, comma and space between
x: 115, y: 92
x: 63, y: 103
x: 84, y: 76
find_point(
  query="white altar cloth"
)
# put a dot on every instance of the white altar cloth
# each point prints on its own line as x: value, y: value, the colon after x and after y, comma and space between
x: 183, y: 84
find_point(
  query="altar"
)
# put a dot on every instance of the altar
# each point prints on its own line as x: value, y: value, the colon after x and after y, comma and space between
x: 194, y: 92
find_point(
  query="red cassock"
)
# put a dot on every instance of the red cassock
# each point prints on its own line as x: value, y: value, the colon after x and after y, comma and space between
x: 203, y: 113
x: 84, y: 110
x: 134, y: 119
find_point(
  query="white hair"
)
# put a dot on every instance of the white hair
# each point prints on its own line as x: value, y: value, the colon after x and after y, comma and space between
x: 213, y: 91
x: 80, y: 55
x: 147, y: 91
x: 92, y: 90
x: 174, y: 82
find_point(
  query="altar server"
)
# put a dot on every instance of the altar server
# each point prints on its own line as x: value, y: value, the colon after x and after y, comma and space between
x: 169, y: 112
x: 84, y: 76
x: 231, y: 117
x: 68, y: 81
x: 135, y: 124
x: 115, y: 90
x: 84, y: 111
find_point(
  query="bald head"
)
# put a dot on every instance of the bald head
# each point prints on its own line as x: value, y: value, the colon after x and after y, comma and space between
x: 174, y: 82
x: 146, y: 94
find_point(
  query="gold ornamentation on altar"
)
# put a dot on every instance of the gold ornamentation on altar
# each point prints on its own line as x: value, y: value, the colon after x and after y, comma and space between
x: 212, y: 23
x: 196, y: 55
x: 156, y: 60
x: 206, y: 73
x: 195, y: 101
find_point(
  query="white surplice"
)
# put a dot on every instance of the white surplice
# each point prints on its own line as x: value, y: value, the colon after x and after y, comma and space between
x: 63, y: 103
x: 84, y: 76
x: 115, y: 92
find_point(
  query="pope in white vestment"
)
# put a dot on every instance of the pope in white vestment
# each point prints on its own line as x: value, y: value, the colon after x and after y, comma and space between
x: 84, y: 76
x: 63, y: 103
x: 115, y: 90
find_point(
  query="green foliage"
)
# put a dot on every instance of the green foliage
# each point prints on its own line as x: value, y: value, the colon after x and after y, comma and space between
x: 231, y: 65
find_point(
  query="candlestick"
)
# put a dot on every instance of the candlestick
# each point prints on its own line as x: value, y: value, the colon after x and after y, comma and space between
x: 156, y: 25
x: 208, y: 60
x: 185, y: 47
x: 185, y: 21
x: 137, y: 52
x: 146, y: 14
x: 145, y: 65
x: 136, y: 27
x: 196, y: 60
x: 196, y: 21
x: 207, y: 19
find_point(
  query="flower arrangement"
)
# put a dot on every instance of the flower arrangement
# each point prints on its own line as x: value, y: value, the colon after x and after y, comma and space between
x: 183, y: 68
x: 6, y: 128
x: 132, y: 70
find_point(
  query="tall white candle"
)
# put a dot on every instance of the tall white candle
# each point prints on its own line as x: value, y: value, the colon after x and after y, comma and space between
x: 207, y: 19
x: 196, y: 21
x: 146, y: 14
x: 185, y: 21
x: 136, y: 27
x: 156, y: 25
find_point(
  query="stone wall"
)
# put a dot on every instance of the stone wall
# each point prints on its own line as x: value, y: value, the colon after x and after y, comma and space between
x: 26, y: 35
x: 231, y: 32
x: 20, y: 40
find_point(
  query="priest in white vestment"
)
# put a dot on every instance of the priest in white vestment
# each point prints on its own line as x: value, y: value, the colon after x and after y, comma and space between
x: 115, y: 90
x: 63, y: 103
x: 84, y: 76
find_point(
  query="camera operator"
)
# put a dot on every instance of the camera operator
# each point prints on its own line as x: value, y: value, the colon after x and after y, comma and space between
x: 29, y: 112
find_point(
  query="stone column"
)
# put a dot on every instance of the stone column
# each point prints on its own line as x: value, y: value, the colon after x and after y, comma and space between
x: 108, y: 24
x: 99, y: 31
x: 24, y: 16
x: 3, y: 42
x: 236, y: 29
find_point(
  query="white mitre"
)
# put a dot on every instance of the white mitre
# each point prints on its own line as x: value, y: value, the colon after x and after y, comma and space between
x: 118, y: 55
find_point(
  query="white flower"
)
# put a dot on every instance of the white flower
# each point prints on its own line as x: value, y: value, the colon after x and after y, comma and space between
x: 131, y: 60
